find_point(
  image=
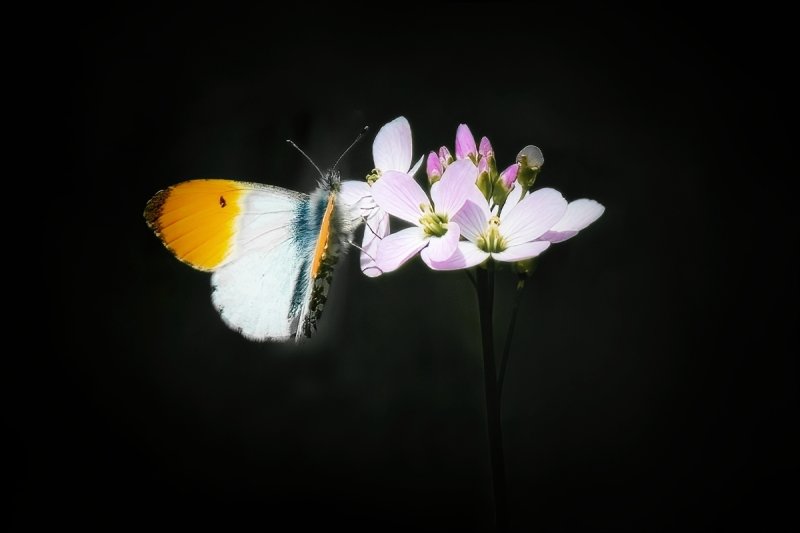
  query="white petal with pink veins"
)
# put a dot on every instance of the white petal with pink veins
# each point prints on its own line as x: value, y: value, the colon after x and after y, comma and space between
x: 375, y: 229
x: 357, y: 197
x: 399, y: 195
x: 441, y: 248
x: 580, y: 213
x: 521, y: 252
x: 473, y: 218
x: 513, y: 198
x: 399, y: 247
x: 557, y: 236
x: 536, y: 213
x: 416, y: 166
x: 467, y: 255
x: 456, y: 185
x: 391, y: 149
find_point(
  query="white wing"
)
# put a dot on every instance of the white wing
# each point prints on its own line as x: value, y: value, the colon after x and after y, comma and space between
x: 253, y: 291
x: 253, y: 294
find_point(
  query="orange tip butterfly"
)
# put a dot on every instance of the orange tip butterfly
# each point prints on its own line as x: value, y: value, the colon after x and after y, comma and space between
x: 271, y: 251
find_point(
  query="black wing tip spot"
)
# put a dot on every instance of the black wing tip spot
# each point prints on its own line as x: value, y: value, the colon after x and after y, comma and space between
x: 154, y: 208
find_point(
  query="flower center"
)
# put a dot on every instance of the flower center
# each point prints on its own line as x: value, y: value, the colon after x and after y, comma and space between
x: 491, y: 240
x: 373, y: 176
x: 433, y: 224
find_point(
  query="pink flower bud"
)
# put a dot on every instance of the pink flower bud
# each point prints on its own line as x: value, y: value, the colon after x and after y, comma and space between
x: 445, y: 158
x: 433, y: 167
x: 485, y: 148
x: 509, y: 175
x: 465, y: 143
x: 483, y: 166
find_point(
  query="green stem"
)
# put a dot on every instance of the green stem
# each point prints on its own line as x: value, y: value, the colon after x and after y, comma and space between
x: 471, y: 279
x: 510, y: 334
x: 485, y: 289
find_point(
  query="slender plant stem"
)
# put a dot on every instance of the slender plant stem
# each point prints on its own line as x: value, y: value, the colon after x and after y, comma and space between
x: 485, y: 288
x: 471, y: 279
x: 510, y: 335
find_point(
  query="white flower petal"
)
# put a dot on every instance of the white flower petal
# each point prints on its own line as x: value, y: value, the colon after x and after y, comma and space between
x: 441, y: 248
x: 399, y: 247
x: 466, y: 255
x: 456, y: 185
x: 375, y: 229
x: 532, y: 216
x: 416, y: 166
x: 357, y: 196
x: 557, y: 236
x: 353, y: 192
x: 521, y: 252
x: 477, y: 196
x: 391, y: 149
x: 399, y: 195
x: 580, y: 213
x: 513, y: 198
x: 473, y: 218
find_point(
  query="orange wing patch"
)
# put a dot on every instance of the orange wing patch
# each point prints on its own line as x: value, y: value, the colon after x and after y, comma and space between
x: 196, y: 220
x: 321, y: 250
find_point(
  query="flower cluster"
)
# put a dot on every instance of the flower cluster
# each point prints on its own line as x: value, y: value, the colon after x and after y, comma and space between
x: 474, y: 211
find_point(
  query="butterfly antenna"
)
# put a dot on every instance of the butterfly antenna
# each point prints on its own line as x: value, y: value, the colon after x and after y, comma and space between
x: 351, y: 145
x: 321, y: 174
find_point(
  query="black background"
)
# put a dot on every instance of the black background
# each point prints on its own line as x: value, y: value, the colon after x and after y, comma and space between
x: 652, y: 385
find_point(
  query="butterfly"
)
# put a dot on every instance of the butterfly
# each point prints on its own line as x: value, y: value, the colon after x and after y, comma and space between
x: 271, y: 251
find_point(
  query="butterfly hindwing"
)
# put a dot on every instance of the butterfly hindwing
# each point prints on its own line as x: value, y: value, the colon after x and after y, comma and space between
x: 266, y: 293
x: 254, y: 293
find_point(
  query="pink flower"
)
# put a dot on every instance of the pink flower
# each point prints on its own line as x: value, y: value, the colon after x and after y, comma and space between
x: 434, y: 228
x: 391, y: 152
x: 512, y: 236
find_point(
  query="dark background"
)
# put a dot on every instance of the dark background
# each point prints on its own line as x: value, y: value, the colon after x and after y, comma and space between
x: 653, y: 381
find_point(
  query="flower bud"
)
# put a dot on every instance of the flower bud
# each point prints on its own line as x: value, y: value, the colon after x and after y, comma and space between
x: 530, y: 161
x: 485, y: 148
x: 465, y: 144
x: 484, y: 181
x: 433, y: 168
x: 445, y: 158
x: 509, y: 176
x: 485, y: 151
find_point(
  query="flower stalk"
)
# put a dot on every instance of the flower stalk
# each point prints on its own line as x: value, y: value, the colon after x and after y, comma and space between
x: 485, y: 290
x: 510, y: 334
